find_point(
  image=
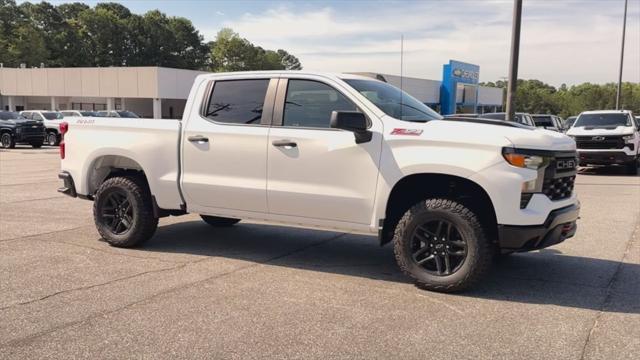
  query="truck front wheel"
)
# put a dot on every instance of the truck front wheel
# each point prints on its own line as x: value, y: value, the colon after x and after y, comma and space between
x: 123, y: 212
x: 441, y: 245
x: 632, y: 167
x: 219, y: 221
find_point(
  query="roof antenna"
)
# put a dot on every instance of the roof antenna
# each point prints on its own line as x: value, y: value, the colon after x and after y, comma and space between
x: 401, y: 74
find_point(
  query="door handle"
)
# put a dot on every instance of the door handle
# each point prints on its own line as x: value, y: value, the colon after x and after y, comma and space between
x: 198, y: 138
x: 284, y: 143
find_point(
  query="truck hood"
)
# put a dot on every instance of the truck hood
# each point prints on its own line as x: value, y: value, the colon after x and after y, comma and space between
x: 588, y: 131
x: 496, y: 134
x: 24, y: 122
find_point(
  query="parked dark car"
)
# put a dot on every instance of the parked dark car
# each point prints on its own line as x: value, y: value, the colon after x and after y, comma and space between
x: 521, y: 118
x: 548, y: 121
x: 15, y: 129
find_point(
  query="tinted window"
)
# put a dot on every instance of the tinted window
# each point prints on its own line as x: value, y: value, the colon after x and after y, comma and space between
x: 603, y: 120
x: 237, y: 101
x: 393, y: 101
x: 36, y: 116
x: 310, y: 103
x: 52, y: 115
x: 127, y: 114
x: 9, y: 115
x: 543, y: 121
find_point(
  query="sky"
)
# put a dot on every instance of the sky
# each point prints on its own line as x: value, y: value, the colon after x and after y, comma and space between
x: 562, y: 41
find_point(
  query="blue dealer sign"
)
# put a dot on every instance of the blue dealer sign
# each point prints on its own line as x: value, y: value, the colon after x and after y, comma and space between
x: 453, y: 73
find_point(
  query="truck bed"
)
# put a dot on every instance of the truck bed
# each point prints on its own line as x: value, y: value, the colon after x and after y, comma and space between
x: 148, y: 144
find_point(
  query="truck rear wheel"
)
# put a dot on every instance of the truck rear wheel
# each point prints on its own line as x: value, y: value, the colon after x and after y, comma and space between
x: 219, y: 221
x: 441, y: 245
x: 52, y: 138
x: 123, y: 212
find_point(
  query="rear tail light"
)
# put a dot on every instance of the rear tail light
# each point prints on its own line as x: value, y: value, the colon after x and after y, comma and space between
x: 64, y: 127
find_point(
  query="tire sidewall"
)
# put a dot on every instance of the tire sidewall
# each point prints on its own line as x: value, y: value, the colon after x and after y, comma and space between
x: 107, y: 188
x: 3, y: 140
x: 49, y: 138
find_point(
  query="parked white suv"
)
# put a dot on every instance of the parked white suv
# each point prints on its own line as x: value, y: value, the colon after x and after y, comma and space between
x: 607, y: 137
x: 338, y: 152
x: 51, y: 120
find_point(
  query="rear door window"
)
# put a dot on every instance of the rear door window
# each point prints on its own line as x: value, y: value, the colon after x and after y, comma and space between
x: 237, y: 101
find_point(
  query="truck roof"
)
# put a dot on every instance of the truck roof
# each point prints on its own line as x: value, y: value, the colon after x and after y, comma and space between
x: 607, y: 112
x: 284, y: 72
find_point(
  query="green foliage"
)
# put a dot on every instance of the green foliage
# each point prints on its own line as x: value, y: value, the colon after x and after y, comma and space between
x: 536, y: 97
x: 230, y: 52
x: 74, y: 34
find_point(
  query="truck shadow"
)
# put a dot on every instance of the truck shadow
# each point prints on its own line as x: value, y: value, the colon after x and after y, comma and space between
x: 546, y: 277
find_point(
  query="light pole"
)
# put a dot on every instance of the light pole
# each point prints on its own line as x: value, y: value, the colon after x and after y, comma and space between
x: 624, y: 27
x: 513, y: 63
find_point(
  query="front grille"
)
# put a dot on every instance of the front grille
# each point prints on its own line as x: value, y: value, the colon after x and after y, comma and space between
x: 559, y: 188
x: 560, y: 176
x: 599, y: 142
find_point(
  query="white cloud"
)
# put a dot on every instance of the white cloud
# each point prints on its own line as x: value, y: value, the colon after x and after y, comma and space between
x: 570, y: 42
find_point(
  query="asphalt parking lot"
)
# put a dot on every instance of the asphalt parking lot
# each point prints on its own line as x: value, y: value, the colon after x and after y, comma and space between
x: 265, y: 291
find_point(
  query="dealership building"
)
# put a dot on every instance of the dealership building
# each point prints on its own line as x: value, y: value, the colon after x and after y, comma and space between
x: 160, y: 92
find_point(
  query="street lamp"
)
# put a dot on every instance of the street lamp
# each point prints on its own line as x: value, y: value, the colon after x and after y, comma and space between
x: 624, y: 27
x: 513, y: 63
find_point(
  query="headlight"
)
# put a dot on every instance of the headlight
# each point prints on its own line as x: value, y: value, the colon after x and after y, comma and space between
x: 628, y: 138
x: 533, y: 162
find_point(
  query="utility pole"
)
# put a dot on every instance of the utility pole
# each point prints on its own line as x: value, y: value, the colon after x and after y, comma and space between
x: 624, y: 28
x: 513, y: 63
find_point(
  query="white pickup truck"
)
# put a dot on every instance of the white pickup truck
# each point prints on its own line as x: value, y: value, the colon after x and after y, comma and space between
x: 608, y: 137
x: 336, y: 152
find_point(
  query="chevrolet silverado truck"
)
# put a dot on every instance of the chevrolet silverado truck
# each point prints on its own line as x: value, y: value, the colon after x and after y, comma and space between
x: 608, y: 137
x: 335, y: 152
x: 15, y: 129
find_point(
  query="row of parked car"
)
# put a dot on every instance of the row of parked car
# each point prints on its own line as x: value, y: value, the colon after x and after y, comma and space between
x: 38, y: 127
x: 547, y: 121
x: 603, y: 137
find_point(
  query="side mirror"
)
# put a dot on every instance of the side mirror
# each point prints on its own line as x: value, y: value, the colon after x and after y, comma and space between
x: 353, y: 121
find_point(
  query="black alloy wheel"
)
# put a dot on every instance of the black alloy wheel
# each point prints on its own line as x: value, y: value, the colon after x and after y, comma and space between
x: 117, y: 213
x: 438, y: 247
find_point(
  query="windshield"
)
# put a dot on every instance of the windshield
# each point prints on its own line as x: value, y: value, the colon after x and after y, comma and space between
x: 603, y: 120
x: 9, y: 115
x: 127, y: 114
x: 393, y: 101
x: 52, y: 115
x: 542, y: 121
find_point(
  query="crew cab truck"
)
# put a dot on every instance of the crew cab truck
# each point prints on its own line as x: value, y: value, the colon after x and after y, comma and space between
x: 336, y: 152
x: 16, y: 129
x: 608, y: 137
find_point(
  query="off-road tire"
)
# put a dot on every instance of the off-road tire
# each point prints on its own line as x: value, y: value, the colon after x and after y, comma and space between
x: 144, y: 223
x: 479, y: 250
x: 7, y: 141
x: 217, y: 221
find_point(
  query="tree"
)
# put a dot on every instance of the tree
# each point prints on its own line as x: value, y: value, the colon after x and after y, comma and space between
x: 230, y: 52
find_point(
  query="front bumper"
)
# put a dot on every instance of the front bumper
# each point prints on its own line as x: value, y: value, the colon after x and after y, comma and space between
x: 559, y: 226
x: 604, y: 157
